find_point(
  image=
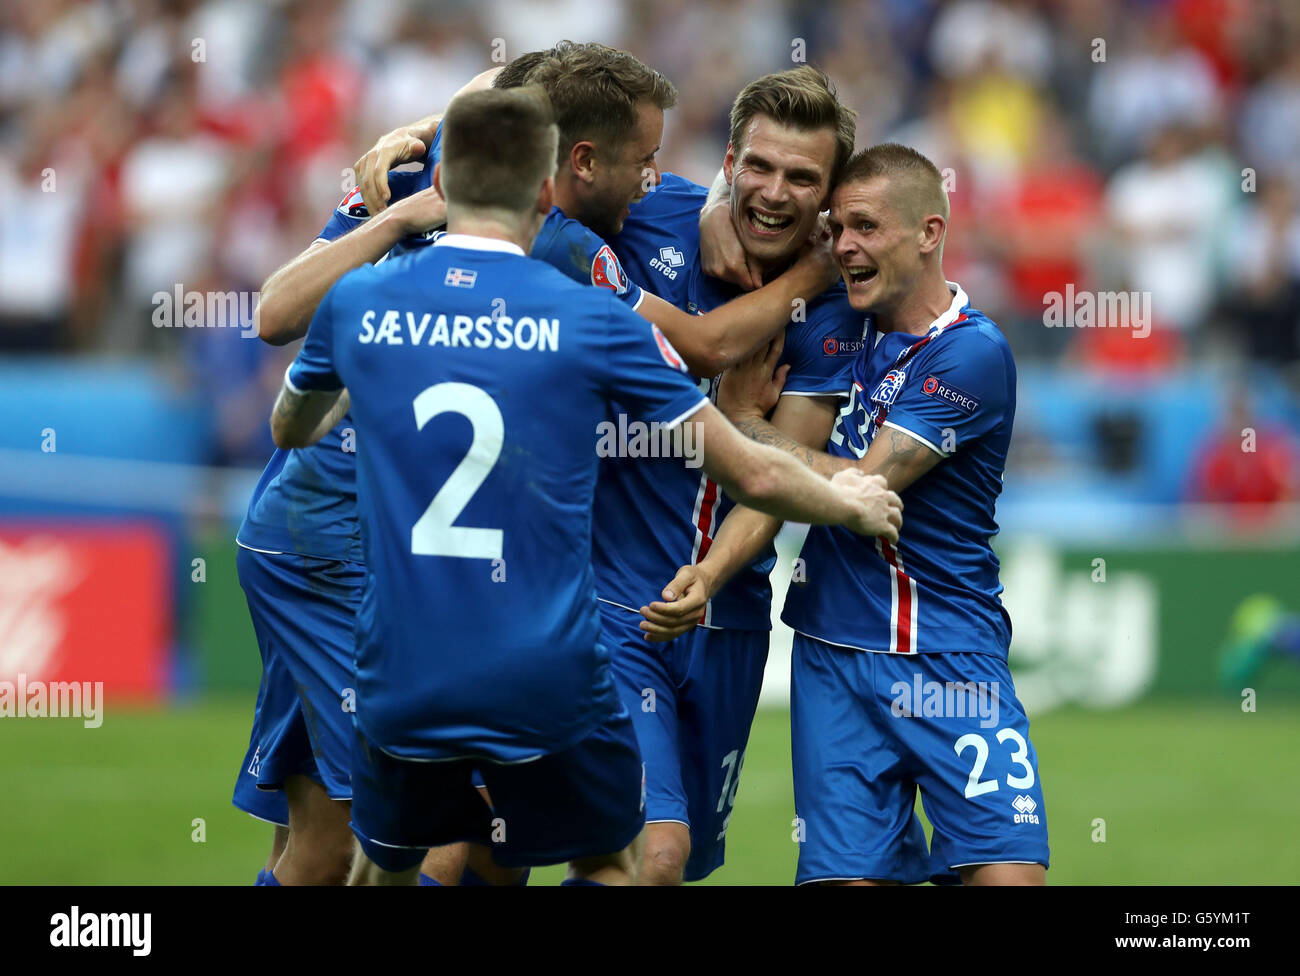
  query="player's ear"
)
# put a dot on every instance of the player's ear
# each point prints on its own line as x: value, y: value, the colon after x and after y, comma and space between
x: 728, y: 163
x: 932, y: 232
x: 546, y: 198
x: 437, y: 178
x: 582, y: 160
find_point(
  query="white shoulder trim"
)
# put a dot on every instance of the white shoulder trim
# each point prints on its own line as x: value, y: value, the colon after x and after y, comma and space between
x: 916, y: 437
x: 703, y: 402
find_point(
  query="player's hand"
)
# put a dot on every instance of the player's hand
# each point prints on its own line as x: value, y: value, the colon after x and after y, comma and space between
x: 721, y: 255
x: 818, y: 255
x: 402, y: 145
x: 420, y: 211
x: 752, y: 387
x: 879, y: 510
x: 682, y: 605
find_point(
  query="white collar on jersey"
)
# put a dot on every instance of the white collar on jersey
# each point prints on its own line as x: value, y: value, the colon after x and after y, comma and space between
x: 959, y: 301
x: 473, y: 242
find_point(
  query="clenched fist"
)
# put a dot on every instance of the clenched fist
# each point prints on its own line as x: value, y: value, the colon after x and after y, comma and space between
x: 879, y: 511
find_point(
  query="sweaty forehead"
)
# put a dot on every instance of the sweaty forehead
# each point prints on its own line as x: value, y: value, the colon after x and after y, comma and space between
x: 787, y: 146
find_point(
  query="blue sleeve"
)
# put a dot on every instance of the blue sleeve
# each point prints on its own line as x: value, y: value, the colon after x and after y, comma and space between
x: 606, y: 270
x: 644, y: 372
x: 816, y: 351
x: 580, y: 254
x: 674, y: 195
x: 956, y: 393
x: 434, y: 155
x: 313, y: 368
x: 351, y: 212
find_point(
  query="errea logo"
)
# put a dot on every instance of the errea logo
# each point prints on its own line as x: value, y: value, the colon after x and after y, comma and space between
x: 669, y: 259
x: 1024, y: 807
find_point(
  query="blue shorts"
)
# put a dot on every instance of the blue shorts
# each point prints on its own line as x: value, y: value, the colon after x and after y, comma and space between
x: 304, y: 612
x: 869, y: 729
x: 692, y: 701
x: 276, y: 701
x: 585, y: 801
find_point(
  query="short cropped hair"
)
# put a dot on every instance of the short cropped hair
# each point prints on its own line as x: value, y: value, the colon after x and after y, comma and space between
x: 919, y: 190
x: 516, y: 72
x: 594, y: 92
x: 801, y: 98
x: 497, y: 149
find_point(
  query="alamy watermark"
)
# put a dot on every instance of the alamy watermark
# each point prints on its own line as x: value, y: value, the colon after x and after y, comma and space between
x: 638, y: 439
x: 946, y: 699
x: 53, y: 699
x: 181, y: 309
x: 1098, y: 310
x: 76, y: 929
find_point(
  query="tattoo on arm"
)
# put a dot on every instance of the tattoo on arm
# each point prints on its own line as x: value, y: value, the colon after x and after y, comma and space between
x: 757, y: 429
x: 307, y: 417
x: 287, y: 405
x: 901, y: 458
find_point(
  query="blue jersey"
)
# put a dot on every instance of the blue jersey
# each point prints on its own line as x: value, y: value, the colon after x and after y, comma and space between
x: 954, y: 389
x: 562, y: 242
x: 654, y: 515
x: 479, y: 380
x: 306, y: 500
x: 567, y: 246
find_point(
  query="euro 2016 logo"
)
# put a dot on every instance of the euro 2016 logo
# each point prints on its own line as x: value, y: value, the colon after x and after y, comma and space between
x: 606, y: 272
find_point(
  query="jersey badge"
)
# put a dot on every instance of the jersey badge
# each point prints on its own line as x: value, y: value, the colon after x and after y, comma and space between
x: 940, y: 390
x: 606, y: 271
x: 887, y: 392
x: 460, y: 278
x: 353, y: 205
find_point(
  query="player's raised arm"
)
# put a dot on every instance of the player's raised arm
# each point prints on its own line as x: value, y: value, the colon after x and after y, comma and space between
x: 748, y: 392
x: 715, y: 341
x: 404, y: 144
x: 289, y: 296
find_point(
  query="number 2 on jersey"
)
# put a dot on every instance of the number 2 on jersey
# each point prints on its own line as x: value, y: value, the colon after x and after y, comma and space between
x: 434, y: 534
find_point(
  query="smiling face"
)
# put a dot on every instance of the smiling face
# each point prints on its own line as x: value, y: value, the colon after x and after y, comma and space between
x: 878, y: 244
x: 625, y: 175
x: 779, y: 177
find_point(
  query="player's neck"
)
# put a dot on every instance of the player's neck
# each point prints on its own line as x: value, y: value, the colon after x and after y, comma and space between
x: 565, y: 196
x: 478, y: 225
x: 919, y: 309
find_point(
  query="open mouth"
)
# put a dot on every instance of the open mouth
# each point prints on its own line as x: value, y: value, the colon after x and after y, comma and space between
x: 767, y: 224
x: 860, y: 275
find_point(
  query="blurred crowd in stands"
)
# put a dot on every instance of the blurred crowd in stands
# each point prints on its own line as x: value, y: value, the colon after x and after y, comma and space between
x: 1143, y: 146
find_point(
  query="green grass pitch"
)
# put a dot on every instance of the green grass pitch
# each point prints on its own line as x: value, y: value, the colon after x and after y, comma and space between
x: 1195, y: 792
